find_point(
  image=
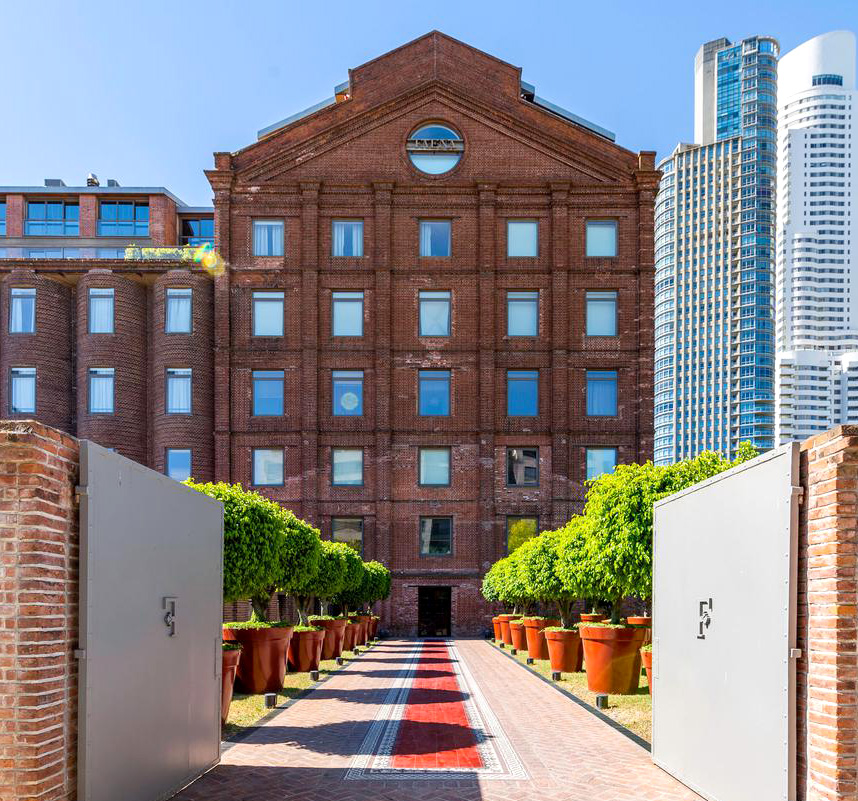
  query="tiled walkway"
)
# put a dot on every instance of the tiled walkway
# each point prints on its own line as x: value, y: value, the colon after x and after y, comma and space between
x: 435, y: 721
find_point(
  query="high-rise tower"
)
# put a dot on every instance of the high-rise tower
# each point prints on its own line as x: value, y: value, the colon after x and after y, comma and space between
x: 714, y: 238
x: 817, y: 303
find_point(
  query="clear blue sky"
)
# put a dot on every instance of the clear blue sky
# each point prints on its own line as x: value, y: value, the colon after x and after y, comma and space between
x: 144, y: 92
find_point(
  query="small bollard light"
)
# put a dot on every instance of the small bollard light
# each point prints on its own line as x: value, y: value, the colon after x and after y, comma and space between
x: 356, y: 651
x: 270, y: 700
x: 314, y: 675
x: 340, y: 660
x: 601, y: 701
x: 555, y: 675
x: 502, y: 644
x: 513, y: 651
x: 530, y: 660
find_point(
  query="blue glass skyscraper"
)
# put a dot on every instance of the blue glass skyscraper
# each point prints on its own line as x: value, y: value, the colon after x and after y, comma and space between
x: 715, y: 259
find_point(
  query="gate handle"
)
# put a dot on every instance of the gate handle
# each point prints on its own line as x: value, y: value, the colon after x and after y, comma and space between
x: 170, y: 616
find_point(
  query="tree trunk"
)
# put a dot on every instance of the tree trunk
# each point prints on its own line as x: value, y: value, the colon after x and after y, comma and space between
x: 616, y: 610
x: 259, y: 607
x: 323, y: 607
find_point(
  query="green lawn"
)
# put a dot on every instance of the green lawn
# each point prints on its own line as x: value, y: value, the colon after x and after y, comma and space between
x: 634, y: 712
x: 246, y: 710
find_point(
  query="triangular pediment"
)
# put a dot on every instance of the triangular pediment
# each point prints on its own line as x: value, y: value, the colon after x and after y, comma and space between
x: 434, y: 78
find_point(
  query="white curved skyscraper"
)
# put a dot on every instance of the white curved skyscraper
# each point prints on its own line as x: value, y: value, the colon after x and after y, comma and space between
x: 817, y: 303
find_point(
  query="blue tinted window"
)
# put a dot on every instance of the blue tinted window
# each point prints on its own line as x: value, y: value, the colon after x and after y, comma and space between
x: 522, y: 314
x: 601, y: 393
x: 434, y: 393
x: 522, y: 393
x: 435, y: 239
x: 22, y: 310
x: 178, y: 463
x: 348, y: 393
x: 600, y: 460
x: 123, y: 218
x: 268, y: 237
x: 51, y: 218
x: 198, y: 231
x: 3, y: 218
x: 347, y: 314
x: 602, y: 314
x: 347, y: 238
x: 434, y: 313
x: 347, y: 467
x: 267, y: 393
x: 435, y: 149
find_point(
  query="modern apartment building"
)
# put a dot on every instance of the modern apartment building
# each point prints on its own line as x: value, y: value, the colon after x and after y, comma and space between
x: 817, y: 303
x: 429, y: 322
x: 715, y: 256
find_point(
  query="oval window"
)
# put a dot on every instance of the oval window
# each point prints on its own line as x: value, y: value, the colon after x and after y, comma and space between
x: 435, y: 148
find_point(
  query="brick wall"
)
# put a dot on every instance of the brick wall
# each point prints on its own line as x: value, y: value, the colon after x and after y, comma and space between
x: 38, y: 612
x: 827, y: 680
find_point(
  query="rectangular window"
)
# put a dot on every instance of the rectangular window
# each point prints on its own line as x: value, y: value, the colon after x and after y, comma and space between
x: 52, y: 218
x: 110, y: 253
x: 268, y: 314
x: 347, y: 393
x: 101, y: 390
x: 600, y: 460
x: 347, y: 314
x: 347, y: 467
x: 268, y: 467
x: 268, y: 237
x: 522, y: 467
x: 601, y: 314
x: 198, y: 232
x: 435, y: 239
x: 434, y: 467
x: 178, y: 313
x: 3, y: 218
x: 100, y: 311
x: 522, y: 393
x: 434, y: 313
x: 434, y: 393
x: 601, y: 239
x: 601, y: 393
x: 522, y: 314
x: 178, y: 390
x: 179, y: 463
x: 22, y: 390
x: 519, y: 529
x: 436, y: 536
x: 267, y: 393
x: 522, y: 239
x: 347, y: 239
x: 22, y: 310
x: 348, y: 530
x: 123, y: 218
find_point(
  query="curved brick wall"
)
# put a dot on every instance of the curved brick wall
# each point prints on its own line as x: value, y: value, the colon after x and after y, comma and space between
x: 48, y: 349
x: 125, y: 351
x: 194, y: 350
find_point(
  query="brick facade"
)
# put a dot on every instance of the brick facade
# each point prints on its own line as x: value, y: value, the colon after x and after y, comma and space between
x: 348, y: 160
x: 827, y: 681
x: 38, y: 612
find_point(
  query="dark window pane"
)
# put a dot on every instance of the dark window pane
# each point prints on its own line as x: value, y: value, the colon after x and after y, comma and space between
x: 436, y: 536
x: 522, y: 467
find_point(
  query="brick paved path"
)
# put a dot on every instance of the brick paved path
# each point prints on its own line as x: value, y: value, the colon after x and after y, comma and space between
x: 343, y: 742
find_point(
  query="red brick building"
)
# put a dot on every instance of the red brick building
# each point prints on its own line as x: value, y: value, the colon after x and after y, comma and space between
x: 436, y: 317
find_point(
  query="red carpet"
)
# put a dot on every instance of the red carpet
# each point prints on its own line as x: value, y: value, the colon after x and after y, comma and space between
x: 435, y: 731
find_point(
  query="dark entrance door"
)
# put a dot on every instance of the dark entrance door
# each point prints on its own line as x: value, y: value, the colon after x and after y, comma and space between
x: 433, y: 611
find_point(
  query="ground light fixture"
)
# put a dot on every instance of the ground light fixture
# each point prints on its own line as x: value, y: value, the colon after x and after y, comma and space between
x: 601, y: 701
x: 270, y: 700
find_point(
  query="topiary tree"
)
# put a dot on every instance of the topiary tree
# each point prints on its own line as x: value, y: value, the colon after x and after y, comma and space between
x: 299, y: 563
x: 619, y: 511
x: 328, y: 581
x: 377, y: 585
x: 350, y: 597
x: 512, y: 591
x: 491, y: 582
x: 255, y: 553
x: 550, y: 565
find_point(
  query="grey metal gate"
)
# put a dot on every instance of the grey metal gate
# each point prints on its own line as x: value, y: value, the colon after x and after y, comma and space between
x: 150, y: 630
x: 724, y: 588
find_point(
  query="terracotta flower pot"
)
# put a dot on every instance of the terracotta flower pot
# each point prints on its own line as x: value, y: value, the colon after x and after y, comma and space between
x: 646, y: 658
x: 350, y: 633
x: 229, y: 664
x: 642, y: 620
x: 591, y: 617
x: 305, y: 650
x: 360, y: 632
x: 262, y: 666
x: 496, y: 628
x: 612, y: 658
x: 516, y: 630
x: 374, y: 621
x: 506, y: 636
x: 334, y: 630
x: 366, y: 622
x: 536, y: 645
x: 564, y: 649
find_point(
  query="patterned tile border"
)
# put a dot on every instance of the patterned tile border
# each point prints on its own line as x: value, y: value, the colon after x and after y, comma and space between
x: 499, y: 758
